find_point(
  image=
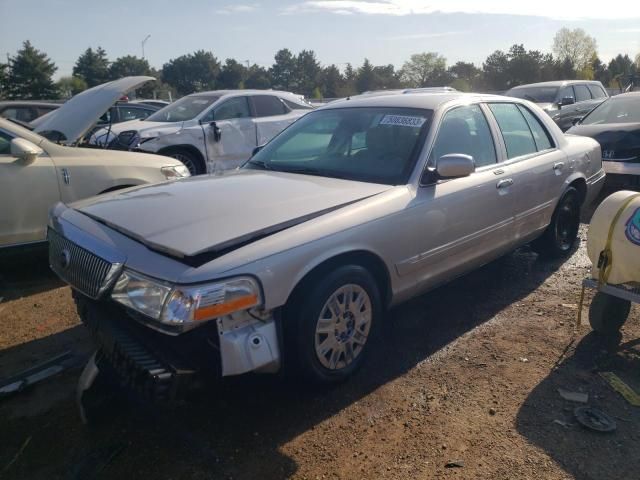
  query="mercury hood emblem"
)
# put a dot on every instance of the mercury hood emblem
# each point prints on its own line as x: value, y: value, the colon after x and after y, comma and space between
x: 65, y: 259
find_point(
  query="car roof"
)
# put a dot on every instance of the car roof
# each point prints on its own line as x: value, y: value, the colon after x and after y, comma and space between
x: 28, y: 103
x: 220, y: 93
x: 626, y: 95
x: 428, y: 101
x: 557, y: 83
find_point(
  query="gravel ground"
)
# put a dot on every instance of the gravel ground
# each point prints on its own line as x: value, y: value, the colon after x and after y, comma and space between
x: 463, y: 384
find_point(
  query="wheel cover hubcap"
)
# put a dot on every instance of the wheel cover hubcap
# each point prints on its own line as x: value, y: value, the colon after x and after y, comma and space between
x: 343, y: 327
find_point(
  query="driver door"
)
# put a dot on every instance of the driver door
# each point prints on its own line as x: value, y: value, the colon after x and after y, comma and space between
x: 230, y: 134
x: 27, y: 191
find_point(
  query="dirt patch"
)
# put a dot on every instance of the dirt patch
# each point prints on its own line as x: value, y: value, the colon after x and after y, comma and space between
x: 466, y: 376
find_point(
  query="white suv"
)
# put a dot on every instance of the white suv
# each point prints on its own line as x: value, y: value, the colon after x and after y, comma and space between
x: 208, y: 131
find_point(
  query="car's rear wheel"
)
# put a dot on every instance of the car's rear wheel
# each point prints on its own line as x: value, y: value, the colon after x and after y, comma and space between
x: 560, y: 236
x: 190, y: 160
x: 333, y: 321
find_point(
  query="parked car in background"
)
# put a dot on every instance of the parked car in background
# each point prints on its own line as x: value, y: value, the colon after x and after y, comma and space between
x: 209, y: 131
x: 615, y: 124
x: 25, y: 111
x: 357, y: 206
x: 36, y: 173
x: 151, y: 101
x: 564, y: 100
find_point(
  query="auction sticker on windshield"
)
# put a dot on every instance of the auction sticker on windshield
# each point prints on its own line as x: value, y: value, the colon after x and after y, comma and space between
x: 403, y: 121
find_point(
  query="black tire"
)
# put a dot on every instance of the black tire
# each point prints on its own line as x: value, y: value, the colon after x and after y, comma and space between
x: 303, y: 316
x: 558, y: 239
x: 192, y: 161
x: 607, y: 313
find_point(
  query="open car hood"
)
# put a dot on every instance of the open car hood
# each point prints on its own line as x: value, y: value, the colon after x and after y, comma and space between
x: 72, y: 120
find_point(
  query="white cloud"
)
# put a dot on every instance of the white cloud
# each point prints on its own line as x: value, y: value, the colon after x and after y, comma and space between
x: 541, y: 8
x: 420, y: 36
x: 246, y: 8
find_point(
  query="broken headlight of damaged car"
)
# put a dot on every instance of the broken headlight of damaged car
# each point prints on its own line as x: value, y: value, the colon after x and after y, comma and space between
x: 185, y: 307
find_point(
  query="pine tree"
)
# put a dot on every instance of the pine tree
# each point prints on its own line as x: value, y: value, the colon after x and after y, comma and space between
x: 92, y: 66
x: 30, y: 73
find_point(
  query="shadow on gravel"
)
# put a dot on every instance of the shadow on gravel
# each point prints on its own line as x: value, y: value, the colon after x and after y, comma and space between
x: 25, y: 272
x: 237, y: 430
x: 586, y: 454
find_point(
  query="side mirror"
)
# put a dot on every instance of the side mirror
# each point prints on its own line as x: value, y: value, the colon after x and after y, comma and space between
x: 455, y: 165
x: 566, y: 101
x: 217, y: 133
x: 257, y: 149
x: 26, y: 151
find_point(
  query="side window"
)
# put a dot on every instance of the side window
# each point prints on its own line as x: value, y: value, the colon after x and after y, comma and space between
x: 268, y: 106
x: 582, y: 93
x: 236, y: 107
x: 540, y: 134
x: 596, y: 91
x: 296, y: 106
x: 465, y: 130
x: 515, y: 130
x: 5, y: 144
x: 566, y: 92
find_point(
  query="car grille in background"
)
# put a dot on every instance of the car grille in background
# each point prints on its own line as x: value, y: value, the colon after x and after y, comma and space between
x: 80, y: 268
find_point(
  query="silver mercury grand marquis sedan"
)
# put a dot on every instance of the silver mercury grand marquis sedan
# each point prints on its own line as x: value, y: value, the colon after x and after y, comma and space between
x: 291, y: 260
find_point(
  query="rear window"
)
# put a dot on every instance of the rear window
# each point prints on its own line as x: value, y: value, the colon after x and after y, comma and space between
x: 268, y: 106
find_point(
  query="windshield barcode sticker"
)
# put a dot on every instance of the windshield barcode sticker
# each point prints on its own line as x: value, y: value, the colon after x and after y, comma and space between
x: 403, y: 121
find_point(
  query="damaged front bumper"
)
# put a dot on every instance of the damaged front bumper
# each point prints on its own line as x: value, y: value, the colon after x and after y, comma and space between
x: 165, y: 368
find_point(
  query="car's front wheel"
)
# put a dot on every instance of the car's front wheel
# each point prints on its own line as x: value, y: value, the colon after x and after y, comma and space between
x: 188, y: 158
x: 333, y: 320
x: 560, y: 236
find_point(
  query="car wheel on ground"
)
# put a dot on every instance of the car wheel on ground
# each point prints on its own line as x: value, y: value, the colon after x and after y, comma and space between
x: 333, y: 321
x: 607, y: 313
x: 561, y: 234
x: 190, y: 160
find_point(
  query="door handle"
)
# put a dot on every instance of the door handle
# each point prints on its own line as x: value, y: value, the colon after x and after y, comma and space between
x: 507, y: 182
x: 558, y: 166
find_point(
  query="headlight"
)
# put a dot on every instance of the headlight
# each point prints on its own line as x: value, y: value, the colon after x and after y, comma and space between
x: 185, y: 307
x: 140, y: 293
x: 175, y: 171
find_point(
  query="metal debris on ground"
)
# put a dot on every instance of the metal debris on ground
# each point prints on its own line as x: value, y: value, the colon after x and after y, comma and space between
x: 629, y: 394
x: 594, y: 419
x: 24, y: 379
x: 15, y: 457
x: 579, y: 397
x: 454, y: 464
x: 562, y: 423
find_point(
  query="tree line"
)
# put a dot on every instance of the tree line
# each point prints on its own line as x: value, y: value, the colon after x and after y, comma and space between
x: 29, y: 73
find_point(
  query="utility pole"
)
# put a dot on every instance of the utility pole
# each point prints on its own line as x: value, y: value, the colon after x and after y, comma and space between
x: 247, y: 64
x: 143, y: 42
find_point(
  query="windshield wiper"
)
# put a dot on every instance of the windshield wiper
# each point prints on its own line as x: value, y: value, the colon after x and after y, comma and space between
x: 259, y: 163
x: 313, y: 171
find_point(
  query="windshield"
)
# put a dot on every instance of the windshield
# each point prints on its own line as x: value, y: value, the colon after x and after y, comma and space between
x: 615, y: 110
x: 535, y: 94
x: 376, y: 145
x: 187, y: 108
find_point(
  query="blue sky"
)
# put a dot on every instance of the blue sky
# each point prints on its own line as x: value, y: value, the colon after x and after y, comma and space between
x: 340, y: 31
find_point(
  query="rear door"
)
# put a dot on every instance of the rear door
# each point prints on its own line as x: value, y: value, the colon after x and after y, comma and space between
x: 230, y: 133
x: 538, y: 168
x: 26, y: 194
x: 585, y: 100
x: 272, y: 116
x: 460, y: 223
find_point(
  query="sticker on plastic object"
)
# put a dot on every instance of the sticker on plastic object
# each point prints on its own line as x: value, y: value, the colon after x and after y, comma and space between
x: 403, y: 121
x: 633, y: 228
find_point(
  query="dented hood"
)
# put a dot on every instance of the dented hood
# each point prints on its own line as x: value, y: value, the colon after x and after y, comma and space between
x: 218, y: 213
x: 73, y: 119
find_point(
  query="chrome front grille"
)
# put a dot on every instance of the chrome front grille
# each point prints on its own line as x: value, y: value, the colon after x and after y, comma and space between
x: 83, y: 270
